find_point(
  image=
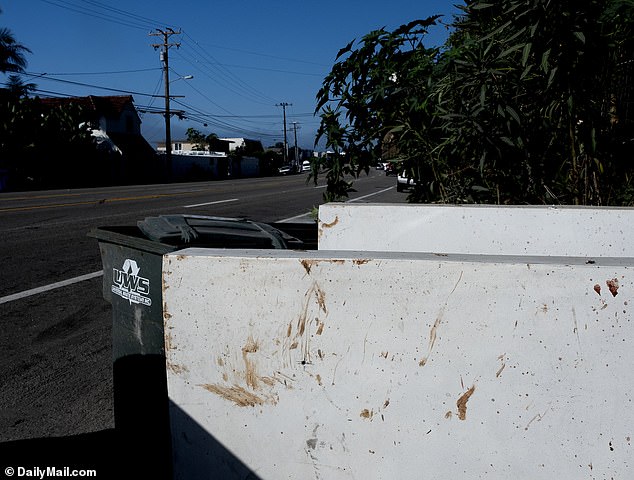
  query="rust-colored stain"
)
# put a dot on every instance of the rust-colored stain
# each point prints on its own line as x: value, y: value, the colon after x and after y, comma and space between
x: 361, y: 261
x: 177, y: 369
x: 168, y: 341
x: 462, y: 403
x: 331, y: 224
x: 268, y: 381
x: 301, y: 324
x: 386, y: 403
x: 597, y: 288
x: 221, y: 362
x: 432, y: 338
x: 321, y: 298
x: 613, y: 285
x: 251, y: 346
x: 293, y: 345
x: 320, y: 328
x: 250, y: 367
x: 290, y: 329
x: 307, y: 264
x: 499, y: 372
x: 434, y: 328
x: 449, y: 414
x: 365, y: 413
x: 318, y: 378
x: 235, y: 394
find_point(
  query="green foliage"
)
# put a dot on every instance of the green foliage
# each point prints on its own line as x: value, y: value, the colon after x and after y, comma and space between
x: 528, y: 102
x: 199, y: 139
x: 367, y: 95
x: 44, y: 147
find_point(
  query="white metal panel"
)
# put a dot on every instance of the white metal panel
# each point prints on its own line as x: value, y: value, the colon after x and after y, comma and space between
x: 478, y: 229
x: 341, y: 365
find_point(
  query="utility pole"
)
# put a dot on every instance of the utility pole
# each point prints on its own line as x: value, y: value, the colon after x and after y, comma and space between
x: 284, y: 105
x: 166, y: 34
x: 296, y: 149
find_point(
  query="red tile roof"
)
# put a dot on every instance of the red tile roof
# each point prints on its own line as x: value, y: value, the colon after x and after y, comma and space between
x: 107, y: 105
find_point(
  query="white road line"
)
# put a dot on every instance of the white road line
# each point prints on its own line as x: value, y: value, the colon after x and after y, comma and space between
x: 370, y: 195
x: 212, y: 203
x: 296, y: 217
x: 52, y: 286
x: 303, y: 215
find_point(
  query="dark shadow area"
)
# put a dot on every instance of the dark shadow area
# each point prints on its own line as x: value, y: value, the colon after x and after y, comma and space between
x: 100, y: 451
x: 141, y: 412
x: 308, y: 233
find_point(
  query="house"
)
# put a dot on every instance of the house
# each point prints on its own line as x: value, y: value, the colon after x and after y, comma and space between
x: 116, y: 128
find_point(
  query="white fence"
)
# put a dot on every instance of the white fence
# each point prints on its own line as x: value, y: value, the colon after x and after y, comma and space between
x: 342, y: 365
x: 512, y: 230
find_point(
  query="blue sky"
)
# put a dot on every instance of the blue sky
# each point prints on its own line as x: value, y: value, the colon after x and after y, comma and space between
x: 247, y: 57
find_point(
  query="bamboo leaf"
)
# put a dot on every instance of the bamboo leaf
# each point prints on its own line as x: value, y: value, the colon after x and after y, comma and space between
x: 508, y: 51
x: 545, y: 56
x: 580, y: 36
x: 526, y: 52
x: 513, y: 114
x: 481, y: 6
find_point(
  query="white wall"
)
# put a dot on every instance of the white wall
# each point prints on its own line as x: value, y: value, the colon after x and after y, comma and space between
x: 341, y: 365
x: 513, y: 230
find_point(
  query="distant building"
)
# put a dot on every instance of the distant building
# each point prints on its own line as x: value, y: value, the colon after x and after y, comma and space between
x: 183, y: 147
x: 191, y: 162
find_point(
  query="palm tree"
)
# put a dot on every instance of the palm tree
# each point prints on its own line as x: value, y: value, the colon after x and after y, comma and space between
x: 16, y: 86
x: 12, y: 54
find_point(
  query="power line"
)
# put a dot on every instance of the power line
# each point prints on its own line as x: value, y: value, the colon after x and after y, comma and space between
x: 268, y: 55
x: 45, y: 76
x: 233, y: 82
x: 95, y: 14
x: 63, y: 74
x: 194, y: 53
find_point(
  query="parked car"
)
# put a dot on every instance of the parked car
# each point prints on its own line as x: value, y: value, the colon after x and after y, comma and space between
x: 284, y: 170
x: 390, y: 168
x: 306, y: 166
x: 404, y: 181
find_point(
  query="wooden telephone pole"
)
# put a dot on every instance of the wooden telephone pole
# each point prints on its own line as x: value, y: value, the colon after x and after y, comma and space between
x: 166, y: 34
x: 284, y: 105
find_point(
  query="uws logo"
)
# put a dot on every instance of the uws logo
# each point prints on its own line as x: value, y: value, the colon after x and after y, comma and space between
x: 129, y: 285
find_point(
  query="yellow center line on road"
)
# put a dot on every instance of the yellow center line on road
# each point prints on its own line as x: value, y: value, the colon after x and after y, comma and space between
x: 96, y: 202
x: 37, y: 197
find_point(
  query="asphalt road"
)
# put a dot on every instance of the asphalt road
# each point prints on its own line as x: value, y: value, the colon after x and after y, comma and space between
x: 56, y: 387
